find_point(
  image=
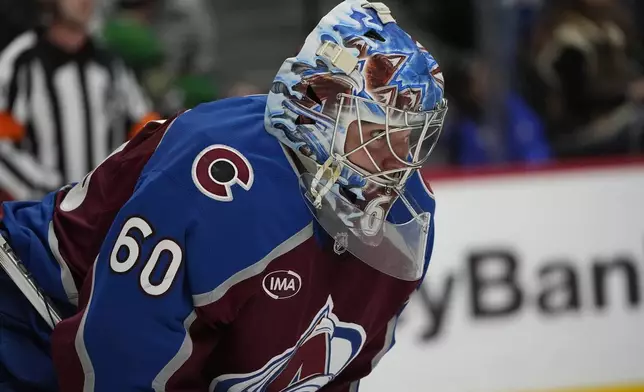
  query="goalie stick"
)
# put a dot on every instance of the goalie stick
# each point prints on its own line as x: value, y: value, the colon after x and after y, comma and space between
x: 17, y: 272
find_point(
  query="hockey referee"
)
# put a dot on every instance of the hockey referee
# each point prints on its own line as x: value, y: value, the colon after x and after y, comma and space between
x: 65, y: 103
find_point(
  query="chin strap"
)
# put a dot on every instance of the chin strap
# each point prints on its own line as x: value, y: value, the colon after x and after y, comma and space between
x: 329, y: 172
x: 325, y: 176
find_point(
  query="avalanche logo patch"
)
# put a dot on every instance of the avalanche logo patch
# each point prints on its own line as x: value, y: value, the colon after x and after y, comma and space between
x: 217, y: 168
x: 325, y: 348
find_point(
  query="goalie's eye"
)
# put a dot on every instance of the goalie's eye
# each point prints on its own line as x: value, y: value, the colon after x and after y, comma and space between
x: 377, y: 138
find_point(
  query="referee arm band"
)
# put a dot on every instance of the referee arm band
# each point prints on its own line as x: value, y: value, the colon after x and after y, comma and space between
x: 10, y: 128
x: 152, y: 116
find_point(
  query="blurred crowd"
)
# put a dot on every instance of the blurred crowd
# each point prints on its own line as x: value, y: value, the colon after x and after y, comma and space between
x: 533, y: 81
x: 528, y: 81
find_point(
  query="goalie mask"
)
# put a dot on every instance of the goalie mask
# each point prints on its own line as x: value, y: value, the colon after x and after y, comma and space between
x: 361, y: 106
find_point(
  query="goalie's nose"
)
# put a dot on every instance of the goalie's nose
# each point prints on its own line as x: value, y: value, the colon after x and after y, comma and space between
x: 391, y: 163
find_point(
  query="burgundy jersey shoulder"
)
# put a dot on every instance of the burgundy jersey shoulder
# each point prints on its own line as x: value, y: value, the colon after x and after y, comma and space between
x: 86, y: 210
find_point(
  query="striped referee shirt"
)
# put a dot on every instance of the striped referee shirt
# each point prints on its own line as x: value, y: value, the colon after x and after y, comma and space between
x: 61, y: 114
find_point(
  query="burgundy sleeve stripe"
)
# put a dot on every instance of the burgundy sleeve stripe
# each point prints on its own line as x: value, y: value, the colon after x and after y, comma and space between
x: 91, y: 209
x: 213, y: 296
x: 182, y: 356
x: 426, y: 185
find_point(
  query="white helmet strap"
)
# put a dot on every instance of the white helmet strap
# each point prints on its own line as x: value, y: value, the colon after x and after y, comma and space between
x: 384, y: 14
x: 338, y: 56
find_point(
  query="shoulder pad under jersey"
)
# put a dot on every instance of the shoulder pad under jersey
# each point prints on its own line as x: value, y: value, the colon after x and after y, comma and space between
x: 237, y: 178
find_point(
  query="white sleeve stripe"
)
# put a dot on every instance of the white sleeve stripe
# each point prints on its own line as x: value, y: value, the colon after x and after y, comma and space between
x: 165, y: 131
x: 18, y: 46
x: 183, y: 354
x: 20, y: 106
x: 389, y: 339
x: 65, y: 274
x: 137, y: 104
x: 79, y: 341
x: 255, y: 269
x: 8, y: 58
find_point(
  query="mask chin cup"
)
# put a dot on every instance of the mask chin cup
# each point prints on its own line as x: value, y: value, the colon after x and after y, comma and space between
x: 370, y: 234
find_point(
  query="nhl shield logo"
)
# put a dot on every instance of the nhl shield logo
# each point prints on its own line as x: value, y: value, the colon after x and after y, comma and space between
x: 341, y: 243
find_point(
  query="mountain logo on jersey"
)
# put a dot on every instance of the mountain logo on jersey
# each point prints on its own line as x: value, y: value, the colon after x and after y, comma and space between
x: 217, y: 168
x: 325, y: 349
x: 282, y: 284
